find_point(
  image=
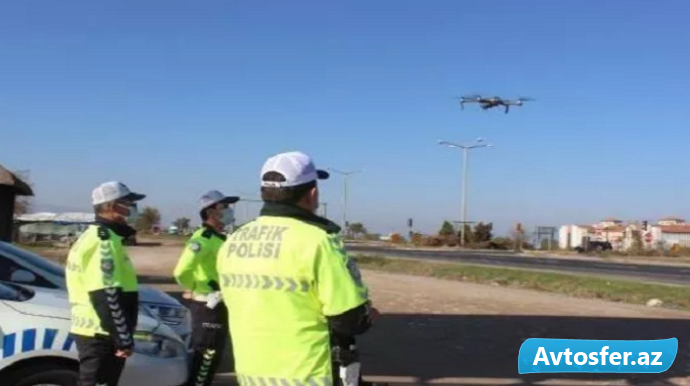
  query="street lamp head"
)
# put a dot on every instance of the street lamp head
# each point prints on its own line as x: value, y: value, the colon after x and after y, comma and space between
x: 480, y: 140
x: 344, y: 173
x: 449, y: 144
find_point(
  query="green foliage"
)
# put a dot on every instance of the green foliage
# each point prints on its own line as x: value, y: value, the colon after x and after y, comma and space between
x: 637, y: 242
x: 581, y: 286
x: 446, y: 229
x: 148, y: 218
x: 416, y: 238
x: 468, y: 233
x: 482, y: 232
x: 182, y: 223
x: 546, y: 244
x: 372, y: 236
x: 357, y: 228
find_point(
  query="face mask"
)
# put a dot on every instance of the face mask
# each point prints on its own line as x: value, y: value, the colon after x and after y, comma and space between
x: 133, y: 214
x: 227, y: 216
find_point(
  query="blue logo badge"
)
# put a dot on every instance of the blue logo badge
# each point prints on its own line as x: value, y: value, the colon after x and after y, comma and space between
x: 596, y: 356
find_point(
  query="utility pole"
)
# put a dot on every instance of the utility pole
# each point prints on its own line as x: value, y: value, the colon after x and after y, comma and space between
x: 465, y: 157
x: 346, y: 175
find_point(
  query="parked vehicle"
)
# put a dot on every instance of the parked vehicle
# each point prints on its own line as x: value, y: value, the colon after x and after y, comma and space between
x: 18, y: 265
x: 593, y: 245
x: 37, y: 348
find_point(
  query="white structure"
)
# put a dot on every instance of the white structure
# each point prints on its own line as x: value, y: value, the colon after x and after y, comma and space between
x: 666, y: 233
x: 570, y: 236
x: 611, y: 230
x: 670, y: 232
x: 68, y: 218
x: 671, y: 221
x: 46, y: 226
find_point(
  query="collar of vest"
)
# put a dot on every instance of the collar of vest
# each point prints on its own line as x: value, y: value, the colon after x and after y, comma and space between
x: 211, y: 231
x: 297, y: 213
x: 122, y: 230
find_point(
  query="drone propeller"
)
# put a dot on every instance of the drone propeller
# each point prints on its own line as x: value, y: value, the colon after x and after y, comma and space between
x: 525, y: 99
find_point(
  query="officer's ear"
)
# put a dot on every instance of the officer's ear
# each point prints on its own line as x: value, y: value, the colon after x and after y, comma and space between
x: 314, y: 197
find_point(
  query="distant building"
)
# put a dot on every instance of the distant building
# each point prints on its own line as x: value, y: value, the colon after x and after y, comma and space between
x: 671, y: 221
x: 666, y: 233
x: 571, y: 236
x: 610, y: 229
x: 45, y: 226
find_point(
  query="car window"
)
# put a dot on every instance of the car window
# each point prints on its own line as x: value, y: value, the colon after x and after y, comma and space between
x: 32, y: 259
x: 12, y: 293
x: 7, y: 266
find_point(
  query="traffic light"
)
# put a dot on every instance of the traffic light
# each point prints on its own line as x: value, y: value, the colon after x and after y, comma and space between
x: 409, y: 223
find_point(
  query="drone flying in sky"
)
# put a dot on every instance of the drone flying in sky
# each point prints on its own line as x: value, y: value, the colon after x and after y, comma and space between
x: 491, y: 102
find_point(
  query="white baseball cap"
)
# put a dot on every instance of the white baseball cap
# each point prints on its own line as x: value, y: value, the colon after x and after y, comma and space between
x: 114, y: 190
x: 215, y: 197
x: 297, y: 168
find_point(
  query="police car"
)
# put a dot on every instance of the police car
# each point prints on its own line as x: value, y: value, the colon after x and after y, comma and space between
x: 36, y: 348
x: 23, y: 267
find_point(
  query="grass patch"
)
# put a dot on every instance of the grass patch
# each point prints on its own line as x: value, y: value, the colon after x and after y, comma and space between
x: 572, y: 285
x: 53, y: 253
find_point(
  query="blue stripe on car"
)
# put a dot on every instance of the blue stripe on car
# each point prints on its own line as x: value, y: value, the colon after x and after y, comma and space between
x: 8, y: 345
x: 29, y: 340
x: 68, y: 343
x: 49, y: 338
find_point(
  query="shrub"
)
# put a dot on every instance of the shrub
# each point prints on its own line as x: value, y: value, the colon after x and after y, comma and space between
x: 432, y: 241
x: 396, y: 238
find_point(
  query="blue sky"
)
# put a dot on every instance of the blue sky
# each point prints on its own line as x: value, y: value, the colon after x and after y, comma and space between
x: 175, y: 98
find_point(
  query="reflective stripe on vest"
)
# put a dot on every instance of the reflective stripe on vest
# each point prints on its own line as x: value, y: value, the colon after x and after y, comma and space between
x: 253, y: 380
x: 280, y: 300
x: 265, y: 282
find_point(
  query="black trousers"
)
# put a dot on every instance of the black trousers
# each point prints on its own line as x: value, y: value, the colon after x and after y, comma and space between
x: 98, y: 364
x: 209, y: 339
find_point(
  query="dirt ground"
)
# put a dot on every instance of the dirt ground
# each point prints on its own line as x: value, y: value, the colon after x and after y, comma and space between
x: 443, y: 332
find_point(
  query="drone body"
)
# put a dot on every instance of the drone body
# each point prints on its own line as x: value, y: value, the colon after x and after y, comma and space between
x: 491, y: 102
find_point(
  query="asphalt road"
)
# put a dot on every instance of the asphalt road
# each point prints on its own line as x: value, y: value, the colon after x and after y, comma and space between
x: 646, y: 272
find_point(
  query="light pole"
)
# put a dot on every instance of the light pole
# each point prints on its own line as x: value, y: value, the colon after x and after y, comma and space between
x: 345, y: 175
x: 465, y: 152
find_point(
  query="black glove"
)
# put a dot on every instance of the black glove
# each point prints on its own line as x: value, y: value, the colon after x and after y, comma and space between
x: 214, y: 285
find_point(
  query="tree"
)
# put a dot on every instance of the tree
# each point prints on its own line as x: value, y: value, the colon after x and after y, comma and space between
x: 468, y: 234
x: 182, y: 223
x: 148, y: 218
x: 446, y: 229
x: 637, y: 242
x: 482, y: 232
x: 358, y: 228
x: 22, y: 204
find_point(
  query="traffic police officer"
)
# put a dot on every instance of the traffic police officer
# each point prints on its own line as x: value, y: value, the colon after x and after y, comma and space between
x: 289, y: 282
x: 102, y: 287
x: 196, y: 272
